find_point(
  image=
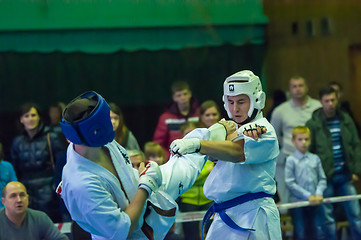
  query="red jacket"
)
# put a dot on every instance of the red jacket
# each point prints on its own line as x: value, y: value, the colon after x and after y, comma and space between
x: 168, y: 127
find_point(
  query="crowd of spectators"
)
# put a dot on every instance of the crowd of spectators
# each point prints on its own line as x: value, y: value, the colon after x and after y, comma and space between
x: 38, y: 153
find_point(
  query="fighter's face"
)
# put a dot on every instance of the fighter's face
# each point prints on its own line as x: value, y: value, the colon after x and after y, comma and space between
x: 30, y: 120
x: 115, y: 120
x: 329, y: 104
x: 301, y: 141
x: 298, y: 88
x: 239, y: 106
x: 210, y: 116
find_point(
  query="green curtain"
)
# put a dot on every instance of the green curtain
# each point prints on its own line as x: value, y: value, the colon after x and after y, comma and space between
x: 97, y: 26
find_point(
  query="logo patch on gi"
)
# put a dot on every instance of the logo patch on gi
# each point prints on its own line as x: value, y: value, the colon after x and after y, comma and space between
x: 231, y: 87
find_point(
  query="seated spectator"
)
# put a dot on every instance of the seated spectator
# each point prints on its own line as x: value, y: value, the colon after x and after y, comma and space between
x: 7, y: 172
x: 209, y: 114
x: 154, y: 152
x: 136, y: 157
x: 122, y: 134
x: 17, y: 221
x: 37, y: 154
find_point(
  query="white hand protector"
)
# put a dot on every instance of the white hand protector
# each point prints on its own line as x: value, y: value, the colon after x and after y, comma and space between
x: 184, y: 146
x: 151, y: 178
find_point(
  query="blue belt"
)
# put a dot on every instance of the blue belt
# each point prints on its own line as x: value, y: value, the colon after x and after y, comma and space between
x: 220, y: 207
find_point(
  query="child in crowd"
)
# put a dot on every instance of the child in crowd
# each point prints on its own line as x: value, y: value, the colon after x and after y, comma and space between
x: 306, y: 180
x: 154, y: 152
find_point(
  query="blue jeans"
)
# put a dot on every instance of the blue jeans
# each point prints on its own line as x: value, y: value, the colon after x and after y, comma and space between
x: 340, y: 185
x: 307, y: 223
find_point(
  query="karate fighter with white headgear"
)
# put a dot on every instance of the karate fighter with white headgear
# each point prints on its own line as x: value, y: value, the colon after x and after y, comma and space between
x: 104, y: 194
x: 242, y: 182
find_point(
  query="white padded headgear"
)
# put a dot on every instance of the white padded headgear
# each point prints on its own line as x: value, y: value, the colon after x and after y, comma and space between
x: 244, y: 82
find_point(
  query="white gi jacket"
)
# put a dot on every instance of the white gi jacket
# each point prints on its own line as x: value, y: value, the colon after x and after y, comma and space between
x: 229, y: 180
x: 96, y: 201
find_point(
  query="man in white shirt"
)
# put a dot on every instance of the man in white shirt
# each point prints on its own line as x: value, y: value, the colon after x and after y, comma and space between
x: 288, y: 115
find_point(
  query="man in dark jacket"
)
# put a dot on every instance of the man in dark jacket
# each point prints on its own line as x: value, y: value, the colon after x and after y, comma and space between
x: 335, y: 140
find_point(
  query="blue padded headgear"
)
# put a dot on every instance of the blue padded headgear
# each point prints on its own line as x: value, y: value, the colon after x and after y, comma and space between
x: 93, y: 130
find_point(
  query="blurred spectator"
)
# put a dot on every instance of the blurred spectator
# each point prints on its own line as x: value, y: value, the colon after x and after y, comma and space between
x: 194, y: 199
x: 36, y: 155
x: 17, y: 221
x: 136, y: 157
x: 7, y: 172
x: 288, y: 115
x: 335, y: 140
x: 209, y: 114
x: 122, y: 134
x: 343, y: 103
x: 55, y: 114
x: 154, y: 152
x: 306, y: 181
x: 182, y: 109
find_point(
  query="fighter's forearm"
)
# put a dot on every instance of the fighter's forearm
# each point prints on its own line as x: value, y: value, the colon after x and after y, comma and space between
x: 135, y: 208
x: 224, y: 150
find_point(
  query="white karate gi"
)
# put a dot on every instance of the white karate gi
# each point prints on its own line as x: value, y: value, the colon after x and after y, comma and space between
x: 96, y: 201
x: 230, y: 180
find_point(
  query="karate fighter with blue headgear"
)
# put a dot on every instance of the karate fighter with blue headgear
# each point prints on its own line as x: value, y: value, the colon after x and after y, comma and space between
x: 101, y: 190
x: 242, y: 182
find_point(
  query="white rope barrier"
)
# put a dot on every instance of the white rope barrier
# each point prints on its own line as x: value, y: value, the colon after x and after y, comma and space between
x: 326, y: 200
x: 198, y: 215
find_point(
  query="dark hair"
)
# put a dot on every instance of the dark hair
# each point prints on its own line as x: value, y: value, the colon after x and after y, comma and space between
x: 337, y: 84
x: 27, y: 106
x: 179, y: 86
x: 325, y: 91
x: 79, y: 109
x: 57, y: 106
